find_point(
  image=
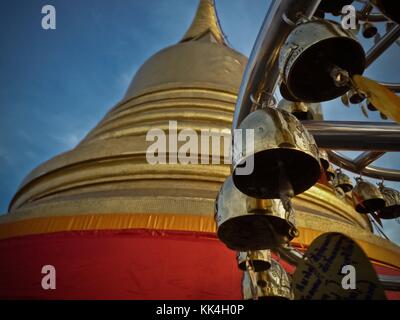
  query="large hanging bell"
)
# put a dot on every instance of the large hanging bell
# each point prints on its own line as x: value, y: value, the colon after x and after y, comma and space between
x: 367, y: 197
x: 390, y: 8
x: 342, y: 181
x: 273, y: 284
x: 392, y: 199
x: 284, y: 155
x: 259, y: 260
x: 248, y: 224
x: 300, y: 110
x: 317, y: 60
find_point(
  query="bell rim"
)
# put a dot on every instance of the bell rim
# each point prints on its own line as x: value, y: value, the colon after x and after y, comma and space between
x: 346, y: 187
x: 371, y: 205
x: 265, y: 244
x: 387, y: 212
x: 259, y: 265
x: 315, y: 170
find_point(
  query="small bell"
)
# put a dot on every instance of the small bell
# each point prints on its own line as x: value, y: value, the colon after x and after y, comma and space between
x: 342, y: 181
x: 318, y: 59
x: 383, y: 117
x: 299, y: 109
x: 330, y: 173
x: 367, y: 197
x: 259, y: 260
x: 355, y: 97
x: 284, y: 156
x: 273, y: 284
x: 371, y: 107
x: 249, y: 224
x: 392, y: 199
x: 369, y: 30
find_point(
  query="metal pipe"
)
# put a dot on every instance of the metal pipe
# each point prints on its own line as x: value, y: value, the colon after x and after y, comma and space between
x: 352, y: 135
x: 262, y: 71
x: 293, y: 257
x: 395, y: 87
x: 366, y: 158
x: 384, y: 43
x: 370, y: 171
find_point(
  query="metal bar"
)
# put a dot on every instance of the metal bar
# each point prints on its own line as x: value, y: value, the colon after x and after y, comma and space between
x: 365, y: 11
x: 370, y: 171
x: 372, y: 17
x: 384, y: 43
x: 262, y: 68
x: 349, y: 135
x: 366, y: 158
x: 391, y: 86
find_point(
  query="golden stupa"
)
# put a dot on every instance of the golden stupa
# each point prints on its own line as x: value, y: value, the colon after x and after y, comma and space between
x: 106, y: 183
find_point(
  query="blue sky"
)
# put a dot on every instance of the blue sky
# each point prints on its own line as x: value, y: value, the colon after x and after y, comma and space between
x: 56, y: 85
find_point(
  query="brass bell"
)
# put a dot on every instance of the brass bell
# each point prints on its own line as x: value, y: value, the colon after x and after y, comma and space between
x: 392, y: 199
x: 259, y: 260
x: 330, y: 173
x: 248, y: 224
x: 390, y: 8
x: 299, y: 109
x: 324, y: 159
x: 355, y: 97
x: 273, y: 284
x: 342, y: 181
x: 367, y: 197
x: 317, y: 60
x: 284, y: 155
x: 369, y: 30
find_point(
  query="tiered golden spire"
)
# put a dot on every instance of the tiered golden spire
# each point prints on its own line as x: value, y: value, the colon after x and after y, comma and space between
x: 205, y: 21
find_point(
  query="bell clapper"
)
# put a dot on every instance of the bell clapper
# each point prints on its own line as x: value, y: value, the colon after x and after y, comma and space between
x: 340, y: 76
x: 286, y: 191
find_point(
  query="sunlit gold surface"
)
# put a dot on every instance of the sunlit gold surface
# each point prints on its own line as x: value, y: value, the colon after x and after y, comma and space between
x: 205, y: 20
x: 107, y: 176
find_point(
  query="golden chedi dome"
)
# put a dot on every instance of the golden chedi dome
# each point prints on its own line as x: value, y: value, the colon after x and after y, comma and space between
x: 106, y: 182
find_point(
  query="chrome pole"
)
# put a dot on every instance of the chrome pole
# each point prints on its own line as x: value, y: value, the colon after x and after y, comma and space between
x: 262, y: 71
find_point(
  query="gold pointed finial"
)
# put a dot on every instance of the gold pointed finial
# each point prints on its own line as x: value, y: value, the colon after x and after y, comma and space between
x: 205, y: 21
